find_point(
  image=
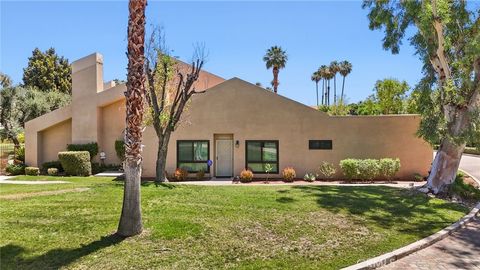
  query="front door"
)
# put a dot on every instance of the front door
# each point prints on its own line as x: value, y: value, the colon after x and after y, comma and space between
x: 224, y: 158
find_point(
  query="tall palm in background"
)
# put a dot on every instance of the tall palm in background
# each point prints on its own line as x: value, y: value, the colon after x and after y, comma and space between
x: 334, y: 69
x: 345, y: 69
x: 328, y: 75
x: 321, y: 73
x: 316, y: 78
x: 275, y: 58
x: 131, y: 219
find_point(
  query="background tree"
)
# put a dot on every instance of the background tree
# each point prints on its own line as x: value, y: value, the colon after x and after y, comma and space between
x: 328, y: 76
x: 390, y: 95
x: 321, y: 73
x: 48, y: 72
x: 275, y: 58
x: 316, y: 78
x: 345, y: 69
x: 447, y: 39
x: 170, y: 88
x: 334, y: 68
x: 5, y: 80
x: 131, y: 218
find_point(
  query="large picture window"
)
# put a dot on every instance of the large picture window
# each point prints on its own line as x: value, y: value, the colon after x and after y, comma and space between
x: 193, y: 155
x: 260, y: 154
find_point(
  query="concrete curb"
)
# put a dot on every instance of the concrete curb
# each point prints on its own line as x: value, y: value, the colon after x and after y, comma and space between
x: 390, y: 257
x: 471, y: 176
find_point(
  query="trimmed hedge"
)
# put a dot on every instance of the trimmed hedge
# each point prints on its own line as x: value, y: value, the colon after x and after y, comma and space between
x: 52, y: 171
x: 32, y: 171
x: 52, y: 164
x: 15, y: 169
x: 92, y: 148
x: 76, y: 162
x: 120, y: 149
x: 98, y: 167
x: 369, y: 169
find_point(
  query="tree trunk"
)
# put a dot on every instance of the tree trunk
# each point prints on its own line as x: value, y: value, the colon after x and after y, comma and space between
x: 445, y: 166
x: 316, y: 87
x: 343, y: 85
x: 160, y: 175
x: 323, y: 91
x: 275, y: 79
x: 335, y: 90
x: 131, y: 218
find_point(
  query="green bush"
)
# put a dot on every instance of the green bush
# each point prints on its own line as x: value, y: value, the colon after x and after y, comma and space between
x: 389, y: 167
x: 350, y: 168
x: 471, y: 150
x: 32, y: 171
x: 92, y: 148
x: 52, y: 171
x: 76, y: 162
x: 369, y: 169
x: 464, y: 190
x: 15, y: 169
x: 327, y: 169
x: 20, y: 153
x: 310, y: 177
x: 52, y: 164
x: 98, y: 168
x: 120, y: 149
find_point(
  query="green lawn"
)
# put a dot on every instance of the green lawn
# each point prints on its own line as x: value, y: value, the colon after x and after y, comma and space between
x: 202, y: 227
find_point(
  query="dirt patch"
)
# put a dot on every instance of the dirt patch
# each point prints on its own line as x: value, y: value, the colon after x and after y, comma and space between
x: 20, y: 196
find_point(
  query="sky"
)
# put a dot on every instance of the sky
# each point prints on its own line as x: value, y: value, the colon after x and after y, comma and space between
x: 236, y: 36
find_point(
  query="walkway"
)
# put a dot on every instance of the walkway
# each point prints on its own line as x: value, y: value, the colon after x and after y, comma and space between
x: 4, y: 180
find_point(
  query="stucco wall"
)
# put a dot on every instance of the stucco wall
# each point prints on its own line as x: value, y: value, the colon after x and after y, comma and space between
x: 53, y: 140
x: 111, y: 129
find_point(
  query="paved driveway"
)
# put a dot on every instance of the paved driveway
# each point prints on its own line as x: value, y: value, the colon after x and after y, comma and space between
x: 471, y: 164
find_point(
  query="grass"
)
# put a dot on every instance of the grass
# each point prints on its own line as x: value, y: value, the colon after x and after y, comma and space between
x: 205, y: 227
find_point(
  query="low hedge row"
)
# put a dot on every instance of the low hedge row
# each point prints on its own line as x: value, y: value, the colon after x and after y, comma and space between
x: 52, y: 164
x: 32, y: 171
x: 369, y: 169
x: 92, y: 148
x: 76, y: 162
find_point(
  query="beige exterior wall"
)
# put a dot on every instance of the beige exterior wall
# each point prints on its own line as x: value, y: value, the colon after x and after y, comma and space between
x: 53, y: 140
x: 238, y: 109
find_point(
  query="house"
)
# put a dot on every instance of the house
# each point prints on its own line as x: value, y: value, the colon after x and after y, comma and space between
x: 234, y: 123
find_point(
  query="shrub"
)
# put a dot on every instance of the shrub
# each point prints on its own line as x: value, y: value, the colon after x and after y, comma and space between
x: 76, y: 162
x: 15, y: 169
x: 389, y: 167
x: 369, y: 169
x: 327, y: 169
x: 52, y: 171
x: 98, y: 167
x: 464, y: 190
x: 92, y: 148
x: 52, y: 164
x: 418, y: 177
x: 180, y: 174
x: 246, y: 176
x: 20, y: 153
x: 310, y: 177
x: 289, y: 174
x: 200, y: 175
x: 32, y: 171
x: 120, y: 149
x: 350, y: 168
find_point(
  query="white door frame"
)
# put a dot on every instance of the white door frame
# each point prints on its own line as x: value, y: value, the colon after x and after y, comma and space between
x: 217, y: 155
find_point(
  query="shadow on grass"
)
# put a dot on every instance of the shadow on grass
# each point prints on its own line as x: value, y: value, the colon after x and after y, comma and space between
x: 404, y: 210
x: 13, y: 257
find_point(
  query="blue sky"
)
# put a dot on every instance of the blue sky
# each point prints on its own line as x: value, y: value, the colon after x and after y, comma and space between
x: 236, y: 35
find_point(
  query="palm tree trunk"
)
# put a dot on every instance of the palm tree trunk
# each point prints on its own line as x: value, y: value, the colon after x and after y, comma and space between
x: 275, y: 79
x: 343, y: 85
x: 131, y: 218
x: 323, y: 92
x: 328, y: 92
x: 316, y: 87
x: 335, y: 89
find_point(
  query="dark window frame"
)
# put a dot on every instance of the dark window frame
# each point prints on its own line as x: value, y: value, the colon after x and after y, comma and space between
x: 261, y: 155
x: 193, y: 154
x: 313, y: 141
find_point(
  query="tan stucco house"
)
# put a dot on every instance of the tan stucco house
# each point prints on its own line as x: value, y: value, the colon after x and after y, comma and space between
x: 234, y: 123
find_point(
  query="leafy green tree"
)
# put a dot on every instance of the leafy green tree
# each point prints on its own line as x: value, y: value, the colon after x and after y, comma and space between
x: 446, y: 36
x: 276, y: 59
x: 390, y: 95
x: 345, y: 69
x: 47, y: 71
x: 368, y: 107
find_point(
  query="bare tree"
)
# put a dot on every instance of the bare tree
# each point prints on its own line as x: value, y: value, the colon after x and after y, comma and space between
x: 171, y: 84
x: 131, y: 219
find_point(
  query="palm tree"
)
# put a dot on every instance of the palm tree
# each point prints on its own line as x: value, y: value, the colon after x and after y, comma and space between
x: 316, y: 78
x: 328, y: 75
x: 334, y: 68
x: 131, y: 219
x: 275, y: 58
x: 345, y: 69
x: 321, y: 72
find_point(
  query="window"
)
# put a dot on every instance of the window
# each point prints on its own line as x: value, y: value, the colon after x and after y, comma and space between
x: 320, y: 144
x: 193, y: 155
x: 261, y: 153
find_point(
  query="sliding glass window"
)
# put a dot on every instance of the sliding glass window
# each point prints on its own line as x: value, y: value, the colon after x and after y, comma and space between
x: 260, y: 155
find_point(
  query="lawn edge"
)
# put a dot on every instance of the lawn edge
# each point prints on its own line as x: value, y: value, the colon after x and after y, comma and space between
x: 397, y: 254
